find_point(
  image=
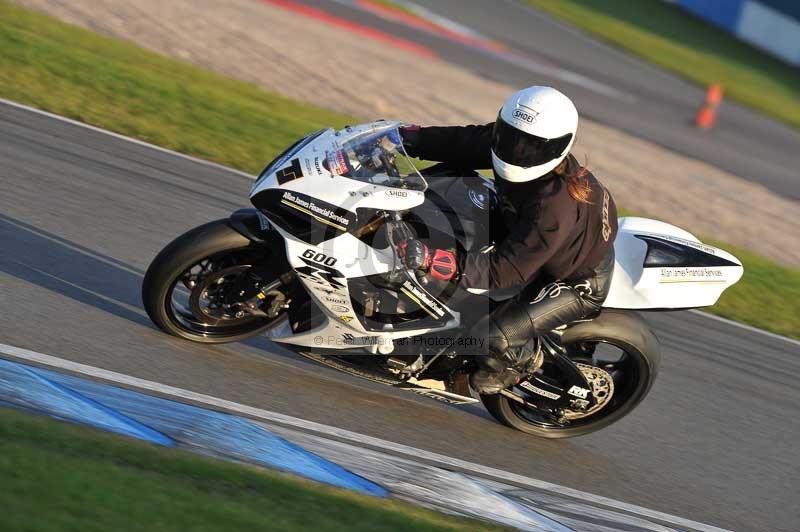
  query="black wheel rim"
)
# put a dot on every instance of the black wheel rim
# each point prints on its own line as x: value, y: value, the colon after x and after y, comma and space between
x: 628, y: 371
x: 185, y: 306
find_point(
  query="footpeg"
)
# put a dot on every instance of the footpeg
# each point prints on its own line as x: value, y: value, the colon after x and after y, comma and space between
x: 396, y: 365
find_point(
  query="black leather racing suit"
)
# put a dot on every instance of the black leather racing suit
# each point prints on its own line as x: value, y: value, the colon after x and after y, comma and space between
x: 557, y: 251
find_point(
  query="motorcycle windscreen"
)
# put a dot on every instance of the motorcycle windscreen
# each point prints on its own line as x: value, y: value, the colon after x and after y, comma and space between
x: 376, y: 156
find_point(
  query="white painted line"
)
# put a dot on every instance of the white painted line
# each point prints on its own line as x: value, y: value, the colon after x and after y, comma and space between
x: 442, y: 21
x: 163, y: 389
x: 123, y: 137
x: 248, y: 176
x: 83, y: 251
x: 510, y: 56
x: 423, y: 13
x: 595, y: 42
x: 563, y: 74
x: 745, y: 327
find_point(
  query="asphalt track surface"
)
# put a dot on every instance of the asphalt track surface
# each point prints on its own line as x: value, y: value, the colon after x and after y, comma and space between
x: 82, y: 213
x: 648, y: 103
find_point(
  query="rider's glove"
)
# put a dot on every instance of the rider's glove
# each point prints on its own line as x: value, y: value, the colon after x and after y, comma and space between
x: 439, y: 264
x: 411, y: 137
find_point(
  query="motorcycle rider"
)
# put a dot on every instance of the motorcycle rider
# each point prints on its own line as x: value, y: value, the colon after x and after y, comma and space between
x: 560, y: 226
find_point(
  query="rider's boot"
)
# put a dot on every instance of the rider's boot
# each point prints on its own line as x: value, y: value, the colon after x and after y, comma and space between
x: 503, y: 361
x: 487, y: 382
x: 498, y: 372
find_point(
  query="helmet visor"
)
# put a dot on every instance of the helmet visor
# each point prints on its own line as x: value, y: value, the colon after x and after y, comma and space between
x: 514, y: 146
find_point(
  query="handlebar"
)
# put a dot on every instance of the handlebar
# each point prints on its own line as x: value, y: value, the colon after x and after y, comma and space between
x: 398, y: 230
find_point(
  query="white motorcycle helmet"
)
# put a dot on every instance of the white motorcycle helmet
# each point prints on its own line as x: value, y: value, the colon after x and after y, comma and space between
x: 534, y: 132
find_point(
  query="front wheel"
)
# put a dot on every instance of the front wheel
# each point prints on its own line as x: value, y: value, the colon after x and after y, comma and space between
x: 190, y: 288
x: 619, y: 355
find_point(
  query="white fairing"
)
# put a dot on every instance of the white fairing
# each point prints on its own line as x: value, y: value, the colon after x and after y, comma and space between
x: 639, y: 286
x: 327, y: 177
x: 341, y: 329
x: 324, y: 184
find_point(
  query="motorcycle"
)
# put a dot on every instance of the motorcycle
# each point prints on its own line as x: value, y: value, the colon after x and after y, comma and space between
x: 315, y: 267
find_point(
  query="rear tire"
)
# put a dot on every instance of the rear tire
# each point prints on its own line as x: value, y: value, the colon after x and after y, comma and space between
x: 624, y: 330
x: 209, y: 240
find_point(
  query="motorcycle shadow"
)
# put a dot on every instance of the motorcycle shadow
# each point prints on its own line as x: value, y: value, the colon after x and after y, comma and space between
x: 385, y: 388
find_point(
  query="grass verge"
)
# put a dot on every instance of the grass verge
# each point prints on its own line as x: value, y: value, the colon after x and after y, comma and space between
x: 671, y: 38
x: 767, y: 297
x: 58, y: 477
x: 121, y: 87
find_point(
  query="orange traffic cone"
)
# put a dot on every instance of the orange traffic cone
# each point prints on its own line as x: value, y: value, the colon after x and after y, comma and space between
x: 707, y: 114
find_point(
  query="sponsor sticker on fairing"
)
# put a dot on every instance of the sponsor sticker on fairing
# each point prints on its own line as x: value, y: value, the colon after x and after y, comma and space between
x: 423, y: 299
x: 337, y: 163
x: 289, y: 173
x: 313, y: 166
x: 335, y: 300
x: 691, y: 275
x: 308, y: 206
x: 697, y: 245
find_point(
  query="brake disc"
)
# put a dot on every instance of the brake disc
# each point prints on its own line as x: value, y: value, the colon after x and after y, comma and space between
x: 602, y: 388
x: 206, y: 299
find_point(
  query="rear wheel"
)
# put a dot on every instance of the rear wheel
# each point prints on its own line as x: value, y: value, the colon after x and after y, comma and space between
x: 190, y: 289
x: 619, y: 356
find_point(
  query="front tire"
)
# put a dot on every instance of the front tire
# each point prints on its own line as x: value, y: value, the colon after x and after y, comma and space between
x: 625, y: 331
x: 214, y: 241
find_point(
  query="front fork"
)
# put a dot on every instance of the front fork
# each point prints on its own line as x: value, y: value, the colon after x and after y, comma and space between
x: 257, y: 292
x: 257, y: 296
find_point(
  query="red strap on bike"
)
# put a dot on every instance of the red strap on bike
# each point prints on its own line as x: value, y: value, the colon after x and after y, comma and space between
x: 443, y: 265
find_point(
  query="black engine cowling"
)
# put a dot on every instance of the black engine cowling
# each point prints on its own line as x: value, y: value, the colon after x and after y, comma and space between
x: 458, y: 209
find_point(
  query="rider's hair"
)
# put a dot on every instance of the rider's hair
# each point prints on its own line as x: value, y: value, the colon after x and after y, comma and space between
x: 577, y: 181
